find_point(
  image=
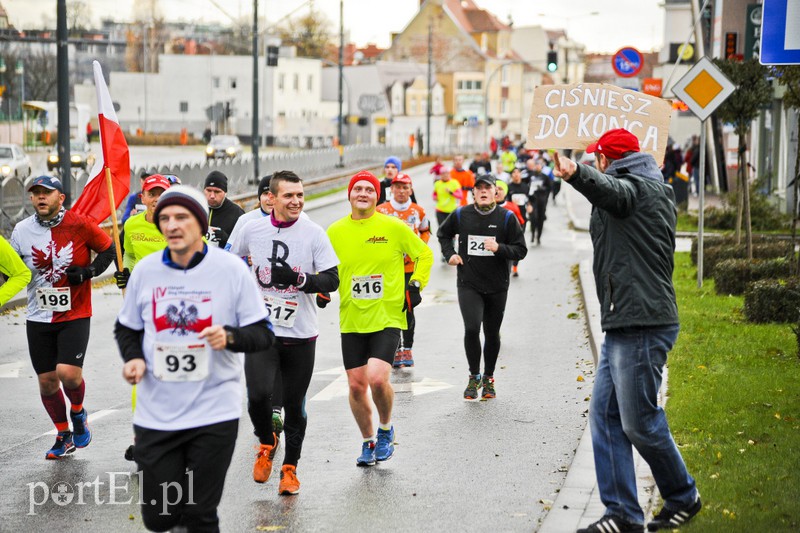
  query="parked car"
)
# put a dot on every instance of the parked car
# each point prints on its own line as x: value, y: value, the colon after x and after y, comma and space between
x: 14, y: 161
x: 224, y: 147
x: 80, y: 155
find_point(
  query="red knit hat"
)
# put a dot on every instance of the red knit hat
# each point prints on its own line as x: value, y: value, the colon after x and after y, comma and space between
x: 614, y: 143
x: 364, y: 176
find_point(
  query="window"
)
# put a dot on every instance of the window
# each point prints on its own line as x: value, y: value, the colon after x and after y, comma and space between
x: 310, y: 84
x: 184, y: 107
x: 478, y: 85
x: 504, y: 107
x: 460, y: 84
x: 296, y: 82
x: 468, y: 85
x: 505, y: 74
x: 232, y: 82
x: 281, y: 81
x: 215, y: 82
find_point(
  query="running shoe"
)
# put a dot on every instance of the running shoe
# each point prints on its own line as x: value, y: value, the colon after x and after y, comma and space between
x: 471, y: 392
x: 277, y: 422
x: 289, y: 484
x: 129, y: 453
x: 398, y: 359
x: 262, y: 468
x: 367, y: 457
x: 668, y: 519
x: 81, y: 435
x: 406, y: 358
x: 384, y: 450
x: 488, y: 388
x: 63, y: 446
x: 612, y: 523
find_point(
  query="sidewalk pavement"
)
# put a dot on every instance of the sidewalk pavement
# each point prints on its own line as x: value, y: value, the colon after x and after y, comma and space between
x: 578, y: 502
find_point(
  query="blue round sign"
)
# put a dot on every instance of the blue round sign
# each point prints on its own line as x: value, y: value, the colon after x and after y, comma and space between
x: 627, y: 62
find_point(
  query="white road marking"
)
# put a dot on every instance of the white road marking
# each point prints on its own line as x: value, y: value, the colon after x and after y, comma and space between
x: 10, y: 370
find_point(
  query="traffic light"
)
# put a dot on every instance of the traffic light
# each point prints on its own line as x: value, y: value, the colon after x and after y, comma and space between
x: 272, y: 56
x: 552, y: 61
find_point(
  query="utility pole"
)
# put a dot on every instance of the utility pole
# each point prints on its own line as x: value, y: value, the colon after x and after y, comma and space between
x: 62, y: 73
x: 255, y: 138
x: 430, y: 76
x: 341, y: 78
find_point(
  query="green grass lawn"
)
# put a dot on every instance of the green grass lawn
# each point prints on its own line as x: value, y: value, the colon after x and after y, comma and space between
x: 734, y: 409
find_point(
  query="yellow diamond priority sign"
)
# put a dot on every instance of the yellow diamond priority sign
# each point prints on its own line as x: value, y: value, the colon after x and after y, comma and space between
x: 703, y: 88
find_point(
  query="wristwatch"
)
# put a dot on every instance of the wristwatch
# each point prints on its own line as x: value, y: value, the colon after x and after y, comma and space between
x: 415, y: 283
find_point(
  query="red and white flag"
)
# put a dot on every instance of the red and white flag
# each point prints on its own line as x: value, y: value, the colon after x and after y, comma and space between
x: 94, y: 200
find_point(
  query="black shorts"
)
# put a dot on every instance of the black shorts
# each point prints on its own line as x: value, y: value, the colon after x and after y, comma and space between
x: 57, y: 343
x: 358, y: 348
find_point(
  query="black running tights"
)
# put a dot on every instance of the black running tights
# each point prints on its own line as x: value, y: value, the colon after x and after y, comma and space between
x: 486, y: 309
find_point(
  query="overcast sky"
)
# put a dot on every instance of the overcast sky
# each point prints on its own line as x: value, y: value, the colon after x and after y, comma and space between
x: 617, y: 23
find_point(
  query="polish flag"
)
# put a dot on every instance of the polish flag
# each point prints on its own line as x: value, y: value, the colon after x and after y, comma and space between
x: 94, y: 200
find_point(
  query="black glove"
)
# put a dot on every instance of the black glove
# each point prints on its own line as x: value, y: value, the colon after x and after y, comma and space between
x: 284, y: 276
x: 78, y: 274
x: 323, y: 299
x: 122, y: 278
x: 413, y: 298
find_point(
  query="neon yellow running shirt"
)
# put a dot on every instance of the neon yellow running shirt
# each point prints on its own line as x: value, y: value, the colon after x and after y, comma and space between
x: 371, y: 274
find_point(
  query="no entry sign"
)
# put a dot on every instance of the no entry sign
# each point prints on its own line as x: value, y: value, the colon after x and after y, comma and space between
x: 627, y: 62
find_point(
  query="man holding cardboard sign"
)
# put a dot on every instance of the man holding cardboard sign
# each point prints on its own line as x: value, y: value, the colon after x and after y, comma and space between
x: 633, y: 233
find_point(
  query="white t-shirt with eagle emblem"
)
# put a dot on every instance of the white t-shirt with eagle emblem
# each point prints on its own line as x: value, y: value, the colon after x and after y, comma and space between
x: 172, y: 306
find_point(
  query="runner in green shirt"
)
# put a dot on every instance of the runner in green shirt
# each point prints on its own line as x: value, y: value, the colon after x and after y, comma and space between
x: 373, y: 300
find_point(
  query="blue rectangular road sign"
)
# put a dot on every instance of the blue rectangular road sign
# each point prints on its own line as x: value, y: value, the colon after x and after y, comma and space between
x: 780, y: 33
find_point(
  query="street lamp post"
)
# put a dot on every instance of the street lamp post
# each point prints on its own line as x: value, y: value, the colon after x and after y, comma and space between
x: 8, y: 98
x: 20, y: 69
x: 255, y: 139
x: 341, y: 78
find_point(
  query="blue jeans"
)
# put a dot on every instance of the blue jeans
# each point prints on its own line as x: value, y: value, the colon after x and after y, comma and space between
x: 624, y: 411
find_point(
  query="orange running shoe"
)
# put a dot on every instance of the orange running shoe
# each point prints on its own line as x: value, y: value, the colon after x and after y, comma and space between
x: 289, y: 484
x: 262, y: 469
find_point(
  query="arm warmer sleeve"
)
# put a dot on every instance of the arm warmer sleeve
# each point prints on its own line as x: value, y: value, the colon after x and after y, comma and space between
x: 129, y: 341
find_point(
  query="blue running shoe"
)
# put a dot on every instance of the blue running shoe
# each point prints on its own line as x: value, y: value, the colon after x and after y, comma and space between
x: 63, y: 446
x: 80, y: 429
x: 385, y: 447
x: 367, y: 457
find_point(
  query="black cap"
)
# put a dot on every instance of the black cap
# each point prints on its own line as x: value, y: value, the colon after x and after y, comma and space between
x: 488, y: 178
x: 217, y: 179
x: 263, y: 185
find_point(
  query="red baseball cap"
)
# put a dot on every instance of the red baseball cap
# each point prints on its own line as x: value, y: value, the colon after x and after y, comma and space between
x: 401, y: 178
x: 614, y: 143
x: 156, y: 180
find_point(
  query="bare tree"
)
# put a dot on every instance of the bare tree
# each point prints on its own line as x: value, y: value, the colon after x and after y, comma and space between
x: 309, y: 33
x: 40, y: 79
x: 79, y: 16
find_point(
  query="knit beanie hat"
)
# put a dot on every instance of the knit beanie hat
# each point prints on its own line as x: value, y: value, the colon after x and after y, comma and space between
x: 216, y: 179
x: 395, y: 161
x: 364, y: 176
x: 187, y: 197
x: 263, y: 185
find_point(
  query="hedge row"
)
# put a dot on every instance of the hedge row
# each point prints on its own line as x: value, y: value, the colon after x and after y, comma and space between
x: 726, y: 240
x: 765, y: 250
x: 773, y: 300
x: 732, y: 276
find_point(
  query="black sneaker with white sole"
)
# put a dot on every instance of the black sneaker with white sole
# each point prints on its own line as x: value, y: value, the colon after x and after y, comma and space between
x: 613, y: 524
x: 669, y: 519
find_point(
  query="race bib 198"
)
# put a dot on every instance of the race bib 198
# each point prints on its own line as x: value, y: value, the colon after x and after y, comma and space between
x: 181, y: 362
x: 475, y: 245
x: 280, y: 311
x: 367, y: 287
x: 54, y: 299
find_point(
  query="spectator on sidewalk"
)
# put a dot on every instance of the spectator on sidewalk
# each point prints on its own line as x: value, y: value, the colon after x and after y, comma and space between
x: 633, y: 232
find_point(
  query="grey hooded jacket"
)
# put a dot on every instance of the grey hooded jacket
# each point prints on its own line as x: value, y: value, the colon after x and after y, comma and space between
x: 633, y: 233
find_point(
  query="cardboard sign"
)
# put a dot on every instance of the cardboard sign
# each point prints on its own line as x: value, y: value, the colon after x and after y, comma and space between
x: 576, y: 115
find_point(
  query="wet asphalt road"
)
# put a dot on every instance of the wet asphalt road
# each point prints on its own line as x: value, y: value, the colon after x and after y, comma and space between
x: 458, y: 466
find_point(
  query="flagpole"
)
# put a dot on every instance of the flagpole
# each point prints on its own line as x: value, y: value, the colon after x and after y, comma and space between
x: 114, y: 227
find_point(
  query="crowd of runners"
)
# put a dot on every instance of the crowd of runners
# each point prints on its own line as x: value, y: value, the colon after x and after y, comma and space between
x: 204, y: 282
